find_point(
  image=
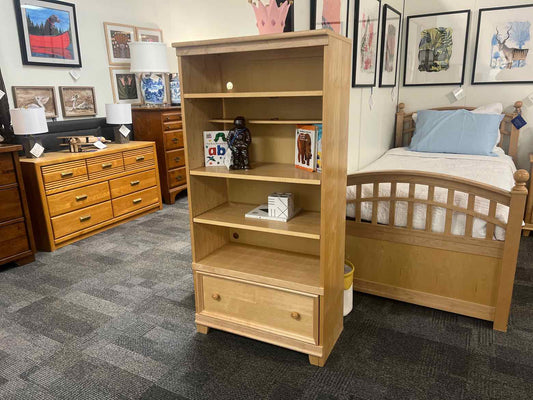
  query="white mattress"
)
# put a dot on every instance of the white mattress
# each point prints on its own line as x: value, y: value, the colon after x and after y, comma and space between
x: 496, y: 171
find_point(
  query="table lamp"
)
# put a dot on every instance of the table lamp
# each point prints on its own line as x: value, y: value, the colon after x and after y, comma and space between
x: 29, y: 122
x: 119, y: 115
x: 149, y: 59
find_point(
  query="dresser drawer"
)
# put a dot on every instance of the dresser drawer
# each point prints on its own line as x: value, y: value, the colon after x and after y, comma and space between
x: 105, y: 165
x: 173, y: 140
x: 81, y: 219
x: 279, y: 311
x: 13, y: 240
x: 172, y: 126
x: 75, y: 199
x: 10, y: 207
x: 177, y: 177
x: 175, y: 158
x: 135, y: 201
x: 170, y: 116
x: 7, y: 169
x: 132, y: 183
x: 58, y: 175
x: 139, y: 158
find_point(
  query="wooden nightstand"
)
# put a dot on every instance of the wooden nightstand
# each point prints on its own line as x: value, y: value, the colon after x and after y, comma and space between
x: 528, y: 219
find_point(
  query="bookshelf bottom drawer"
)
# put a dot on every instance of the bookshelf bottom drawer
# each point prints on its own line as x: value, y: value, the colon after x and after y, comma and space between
x: 280, y: 311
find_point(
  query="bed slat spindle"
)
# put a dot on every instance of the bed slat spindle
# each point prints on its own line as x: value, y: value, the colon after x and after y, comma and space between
x: 392, y: 204
x: 449, y: 212
x: 429, y: 208
x: 469, y: 218
x: 489, y: 235
x: 358, y: 203
x: 411, y: 205
x: 375, y: 203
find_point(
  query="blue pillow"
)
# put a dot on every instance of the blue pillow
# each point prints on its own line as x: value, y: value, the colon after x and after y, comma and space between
x: 457, y: 131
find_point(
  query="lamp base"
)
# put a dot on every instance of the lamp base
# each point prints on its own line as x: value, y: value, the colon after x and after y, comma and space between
x: 153, y: 88
x: 119, y: 137
x: 27, y: 145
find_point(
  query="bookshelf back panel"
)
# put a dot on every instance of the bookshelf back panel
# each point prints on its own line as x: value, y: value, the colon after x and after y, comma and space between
x: 274, y: 241
x: 293, y: 108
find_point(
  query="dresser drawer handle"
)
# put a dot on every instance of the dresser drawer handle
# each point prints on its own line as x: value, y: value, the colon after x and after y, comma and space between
x: 65, y: 174
x: 134, y: 183
x: 295, y: 315
x: 167, y: 118
x: 137, y: 201
x: 107, y: 165
x: 177, y: 159
x: 168, y: 128
x: 139, y: 158
x: 85, y: 218
x: 81, y: 197
x: 175, y: 140
x: 179, y: 178
x: 215, y: 296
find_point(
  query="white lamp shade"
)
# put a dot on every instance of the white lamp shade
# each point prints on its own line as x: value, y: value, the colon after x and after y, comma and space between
x: 28, y: 121
x: 118, y: 113
x: 148, y: 57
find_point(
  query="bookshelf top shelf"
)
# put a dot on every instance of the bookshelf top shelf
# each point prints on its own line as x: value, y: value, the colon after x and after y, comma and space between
x: 290, y: 93
x: 267, y: 172
x: 270, y: 121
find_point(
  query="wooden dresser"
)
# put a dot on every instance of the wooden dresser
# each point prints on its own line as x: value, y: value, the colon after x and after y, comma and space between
x: 16, y: 236
x: 75, y: 195
x: 163, y: 125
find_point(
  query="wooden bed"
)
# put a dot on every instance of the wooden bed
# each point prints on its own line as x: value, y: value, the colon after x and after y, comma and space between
x: 460, y: 274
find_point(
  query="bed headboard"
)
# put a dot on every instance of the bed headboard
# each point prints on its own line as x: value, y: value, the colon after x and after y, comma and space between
x: 405, y: 127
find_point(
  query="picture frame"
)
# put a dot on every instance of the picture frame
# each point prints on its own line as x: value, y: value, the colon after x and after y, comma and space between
x: 365, y: 42
x: 117, y: 38
x: 390, y: 46
x: 435, y: 48
x: 504, y: 36
x: 125, y: 85
x: 148, y: 34
x: 48, y: 33
x: 325, y: 15
x: 36, y: 96
x: 77, y: 101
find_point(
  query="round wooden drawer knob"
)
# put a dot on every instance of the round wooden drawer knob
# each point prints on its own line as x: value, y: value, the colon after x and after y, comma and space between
x: 295, y: 315
x: 215, y: 296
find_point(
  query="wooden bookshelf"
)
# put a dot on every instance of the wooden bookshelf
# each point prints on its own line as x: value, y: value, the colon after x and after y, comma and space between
x: 279, y: 282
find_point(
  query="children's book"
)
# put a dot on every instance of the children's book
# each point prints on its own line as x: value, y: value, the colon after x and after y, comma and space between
x: 318, y: 147
x: 305, y: 147
x: 216, y: 147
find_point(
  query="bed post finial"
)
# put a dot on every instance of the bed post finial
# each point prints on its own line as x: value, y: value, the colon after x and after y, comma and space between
x: 520, y: 177
x: 518, y: 106
x: 401, y: 107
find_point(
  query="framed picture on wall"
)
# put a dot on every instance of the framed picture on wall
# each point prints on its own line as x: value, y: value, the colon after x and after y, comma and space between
x: 77, y: 101
x: 365, y: 43
x: 390, y: 46
x: 118, y: 38
x: 330, y: 14
x: 148, y: 34
x: 35, y: 97
x: 435, y: 48
x: 125, y: 85
x: 48, y: 33
x: 503, y: 45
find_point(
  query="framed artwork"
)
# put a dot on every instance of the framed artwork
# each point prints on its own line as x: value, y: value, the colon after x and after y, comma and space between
x: 365, y: 42
x: 148, y: 34
x: 503, y: 45
x: 118, y: 38
x: 435, y: 48
x: 330, y: 14
x: 125, y: 85
x: 77, y: 101
x: 48, y: 33
x: 34, y: 97
x: 390, y: 46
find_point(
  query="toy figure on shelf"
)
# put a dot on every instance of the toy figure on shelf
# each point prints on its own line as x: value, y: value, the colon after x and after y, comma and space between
x: 239, y: 140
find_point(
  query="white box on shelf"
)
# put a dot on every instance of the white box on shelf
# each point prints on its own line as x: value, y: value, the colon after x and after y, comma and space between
x: 281, y: 205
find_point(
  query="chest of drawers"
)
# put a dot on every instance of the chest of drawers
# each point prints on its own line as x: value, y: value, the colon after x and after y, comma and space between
x: 75, y: 195
x: 163, y: 125
x: 16, y: 236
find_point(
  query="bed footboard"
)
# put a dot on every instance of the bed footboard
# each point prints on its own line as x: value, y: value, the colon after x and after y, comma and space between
x: 458, y: 273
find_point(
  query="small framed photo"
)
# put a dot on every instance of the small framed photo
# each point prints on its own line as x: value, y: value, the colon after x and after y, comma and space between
x: 48, y: 33
x: 148, y: 34
x: 34, y: 97
x: 435, y: 48
x: 330, y: 14
x: 77, y: 101
x: 118, y: 38
x: 125, y: 85
x: 390, y: 46
x: 365, y: 42
x: 503, y: 45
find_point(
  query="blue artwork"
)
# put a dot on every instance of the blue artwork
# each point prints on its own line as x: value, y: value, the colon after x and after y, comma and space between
x: 510, y: 45
x: 49, y: 32
x: 153, y: 88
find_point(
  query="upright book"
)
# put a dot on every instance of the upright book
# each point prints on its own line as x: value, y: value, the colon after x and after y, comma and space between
x: 305, y: 147
x: 215, y: 147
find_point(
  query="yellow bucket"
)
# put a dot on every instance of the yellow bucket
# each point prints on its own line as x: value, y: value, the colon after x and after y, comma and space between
x: 348, y: 274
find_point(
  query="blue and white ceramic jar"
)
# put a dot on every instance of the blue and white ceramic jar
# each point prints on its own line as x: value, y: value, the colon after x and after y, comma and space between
x: 153, y: 88
x: 175, y: 91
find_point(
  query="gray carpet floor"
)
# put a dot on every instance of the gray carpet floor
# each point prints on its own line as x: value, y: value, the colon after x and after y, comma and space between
x: 112, y: 317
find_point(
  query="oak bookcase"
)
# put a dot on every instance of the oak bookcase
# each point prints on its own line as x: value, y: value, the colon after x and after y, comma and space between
x: 278, y: 282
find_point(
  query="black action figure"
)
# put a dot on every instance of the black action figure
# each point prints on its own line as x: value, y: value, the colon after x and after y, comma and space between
x: 239, y: 139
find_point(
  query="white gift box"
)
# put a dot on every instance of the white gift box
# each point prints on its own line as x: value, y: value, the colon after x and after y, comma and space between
x: 281, y: 205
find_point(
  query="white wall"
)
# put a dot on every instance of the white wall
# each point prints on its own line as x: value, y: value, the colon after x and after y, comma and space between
x: 433, y: 96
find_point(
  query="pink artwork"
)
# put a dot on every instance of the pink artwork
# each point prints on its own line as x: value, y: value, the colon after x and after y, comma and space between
x: 270, y: 18
x: 367, y: 46
x: 331, y: 15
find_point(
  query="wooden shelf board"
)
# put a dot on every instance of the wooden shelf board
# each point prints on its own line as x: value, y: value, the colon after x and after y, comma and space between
x: 270, y: 121
x: 306, y: 224
x: 291, y: 93
x: 279, y: 268
x: 267, y: 172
